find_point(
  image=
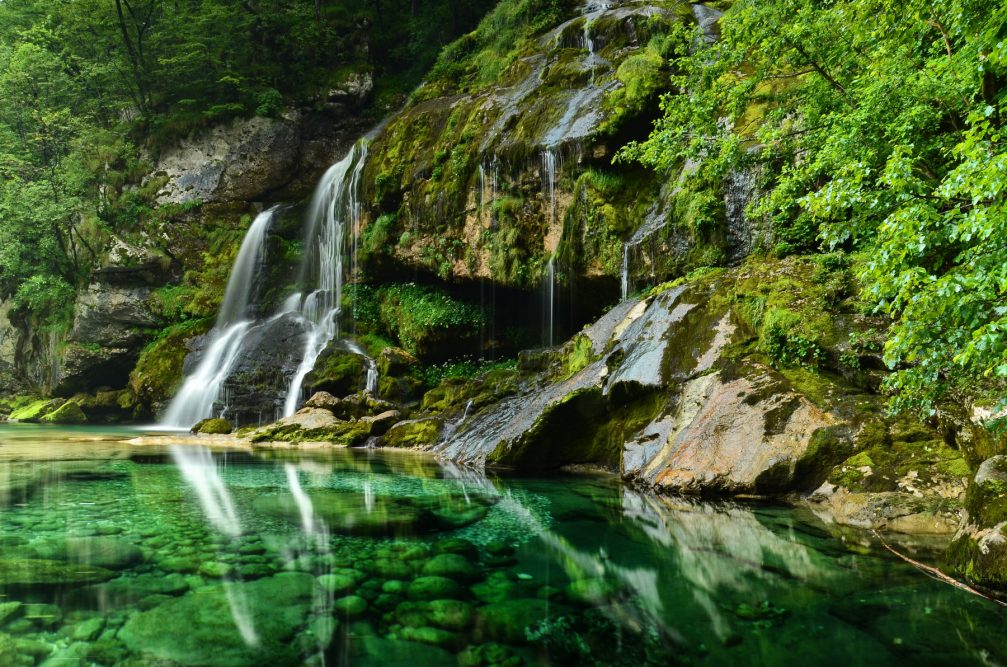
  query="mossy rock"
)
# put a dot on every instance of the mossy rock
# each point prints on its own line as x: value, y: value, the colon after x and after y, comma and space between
x: 416, y: 433
x: 213, y: 426
x: 337, y: 371
x: 34, y: 411
x: 68, y: 413
x: 394, y: 361
x: 345, y: 434
x: 403, y: 389
x: 198, y: 628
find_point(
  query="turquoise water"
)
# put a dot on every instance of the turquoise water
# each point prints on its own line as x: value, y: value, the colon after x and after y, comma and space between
x: 112, y: 554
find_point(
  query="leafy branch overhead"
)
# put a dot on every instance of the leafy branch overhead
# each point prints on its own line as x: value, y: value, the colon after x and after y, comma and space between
x: 877, y: 128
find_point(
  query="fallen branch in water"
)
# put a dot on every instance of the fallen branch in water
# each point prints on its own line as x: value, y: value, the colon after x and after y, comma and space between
x: 934, y: 573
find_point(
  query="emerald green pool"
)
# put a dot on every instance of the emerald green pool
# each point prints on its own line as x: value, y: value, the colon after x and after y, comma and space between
x: 112, y: 554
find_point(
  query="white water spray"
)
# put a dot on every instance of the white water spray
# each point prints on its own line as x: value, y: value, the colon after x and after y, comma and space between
x: 202, y: 388
x: 333, y: 217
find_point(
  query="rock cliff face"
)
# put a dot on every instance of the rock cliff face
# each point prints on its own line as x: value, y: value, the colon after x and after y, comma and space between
x: 512, y: 180
x: 682, y: 393
x: 258, y: 159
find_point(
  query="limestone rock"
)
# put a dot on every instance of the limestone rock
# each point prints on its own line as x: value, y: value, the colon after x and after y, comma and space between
x: 323, y: 400
x: 380, y: 423
x: 240, y: 161
x: 719, y: 439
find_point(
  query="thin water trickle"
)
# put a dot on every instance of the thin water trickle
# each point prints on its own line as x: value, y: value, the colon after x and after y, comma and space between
x: 625, y: 271
x: 550, y: 160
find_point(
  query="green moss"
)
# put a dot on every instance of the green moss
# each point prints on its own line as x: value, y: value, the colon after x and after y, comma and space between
x: 213, y: 426
x: 344, y: 434
x: 578, y: 354
x: 34, y: 411
x: 429, y: 322
x: 413, y: 434
x: 158, y: 372
x: 68, y: 413
x: 337, y: 372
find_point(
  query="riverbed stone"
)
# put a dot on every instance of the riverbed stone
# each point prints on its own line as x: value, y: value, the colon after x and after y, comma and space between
x: 340, y: 580
x: 506, y: 621
x: 201, y: 628
x: 452, y: 566
x: 434, y: 588
x: 39, y: 572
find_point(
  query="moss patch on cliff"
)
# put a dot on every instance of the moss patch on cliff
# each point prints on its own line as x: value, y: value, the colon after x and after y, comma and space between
x: 158, y: 372
x: 428, y: 322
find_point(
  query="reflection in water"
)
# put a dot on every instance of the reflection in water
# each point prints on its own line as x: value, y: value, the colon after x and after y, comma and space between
x: 361, y: 558
x: 199, y: 470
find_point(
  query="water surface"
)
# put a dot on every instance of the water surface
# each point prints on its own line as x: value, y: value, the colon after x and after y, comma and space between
x: 112, y: 554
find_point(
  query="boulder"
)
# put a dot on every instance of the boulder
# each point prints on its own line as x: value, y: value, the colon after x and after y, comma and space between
x: 338, y: 371
x: 394, y: 361
x: 380, y: 423
x: 68, y: 413
x: 979, y: 550
x: 323, y: 400
x: 35, y: 410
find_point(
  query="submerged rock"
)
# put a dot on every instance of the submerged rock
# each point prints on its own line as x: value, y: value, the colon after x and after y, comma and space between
x: 36, y: 572
x: 230, y: 625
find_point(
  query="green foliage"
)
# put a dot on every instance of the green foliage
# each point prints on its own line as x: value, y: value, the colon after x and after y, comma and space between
x: 433, y: 375
x: 780, y: 339
x: 420, y: 316
x: 480, y: 57
x: 879, y: 128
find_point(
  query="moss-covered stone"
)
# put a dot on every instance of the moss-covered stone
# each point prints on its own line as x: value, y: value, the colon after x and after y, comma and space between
x: 158, y: 372
x: 68, y: 413
x: 213, y: 426
x: 337, y: 371
x: 413, y: 434
x: 34, y: 411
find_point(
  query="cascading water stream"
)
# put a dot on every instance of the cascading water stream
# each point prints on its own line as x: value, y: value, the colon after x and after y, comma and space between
x: 333, y: 217
x: 202, y: 388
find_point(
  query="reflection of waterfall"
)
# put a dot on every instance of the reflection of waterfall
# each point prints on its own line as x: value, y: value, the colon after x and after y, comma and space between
x: 199, y: 469
x: 201, y: 389
x: 333, y: 217
x: 304, y: 505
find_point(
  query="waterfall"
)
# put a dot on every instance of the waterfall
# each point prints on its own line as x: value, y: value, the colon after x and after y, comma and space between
x: 201, y: 389
x: 549, y: 302
x: 333, y: 217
